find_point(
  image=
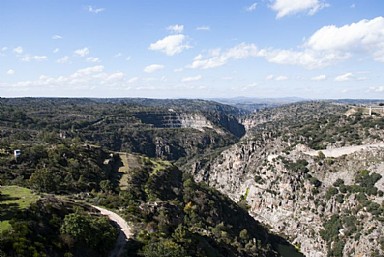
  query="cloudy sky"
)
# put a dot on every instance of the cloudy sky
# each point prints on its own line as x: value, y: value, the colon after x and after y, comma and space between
x: 192, y: 48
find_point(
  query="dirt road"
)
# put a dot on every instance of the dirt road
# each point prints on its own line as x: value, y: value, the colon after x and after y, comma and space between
x: 125, y: 231
x: 337, y: 152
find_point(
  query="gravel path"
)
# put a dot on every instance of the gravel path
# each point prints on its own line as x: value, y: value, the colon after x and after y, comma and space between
x: 337, y: 152
x: 125, y: 231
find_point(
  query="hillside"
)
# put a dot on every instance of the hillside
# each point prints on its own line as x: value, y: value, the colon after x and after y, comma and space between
x: 191, y: 180
x: 330, y: 206
x: 65, y: 173
x: 169, y: 129
x: 167, y: 210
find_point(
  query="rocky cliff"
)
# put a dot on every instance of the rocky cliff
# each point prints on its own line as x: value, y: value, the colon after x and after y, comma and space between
x: 326, y: 206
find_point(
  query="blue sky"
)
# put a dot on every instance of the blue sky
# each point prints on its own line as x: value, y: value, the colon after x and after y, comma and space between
x: 192, y: 48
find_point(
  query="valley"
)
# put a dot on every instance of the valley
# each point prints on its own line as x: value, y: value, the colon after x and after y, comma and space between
x: 192, y: 177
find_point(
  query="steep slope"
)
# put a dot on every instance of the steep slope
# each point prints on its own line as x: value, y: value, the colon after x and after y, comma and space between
x: 169, y: 129
x: 327, y: 206
x: 172, y: 214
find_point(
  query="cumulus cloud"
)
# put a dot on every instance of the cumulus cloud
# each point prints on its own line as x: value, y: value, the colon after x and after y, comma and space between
x: 10, y: 72
x: 290, y: 7
x: 133, y: 80
x: 63, y: 60
x: 251, y: 8
x: 203, y: 28
x: 191, y: 79
x: 319, y: 78
x: 18, y: 50
x: 93, y: 59
x: 153, y: 67
x: 281, y: 78
x: 276, y: 78
x: 325, y: 47
x: 176, y: 28
x: 55, y: 37
x: 28, y: 58
x: 365, y: 35
x: 86, y: 78
x: 377, y: 89
x: 95, y: 10
x: 218, y: 58
x: 56, y: 50
x: 170, y: 45
x: 82, y: 52
x: 345, y: 77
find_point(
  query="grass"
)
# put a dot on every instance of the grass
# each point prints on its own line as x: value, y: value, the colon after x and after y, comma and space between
x: 13, y: 199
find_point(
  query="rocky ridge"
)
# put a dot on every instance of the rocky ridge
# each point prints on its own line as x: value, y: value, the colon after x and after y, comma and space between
x: 324, y: 205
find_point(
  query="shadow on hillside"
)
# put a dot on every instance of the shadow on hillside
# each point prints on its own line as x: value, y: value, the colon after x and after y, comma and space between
x: 283, y: 247
x: 8, y: 210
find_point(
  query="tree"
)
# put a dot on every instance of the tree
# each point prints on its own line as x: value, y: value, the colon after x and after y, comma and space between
x: 44, y: 181
x: 164, y: 248
x: 77, y: 226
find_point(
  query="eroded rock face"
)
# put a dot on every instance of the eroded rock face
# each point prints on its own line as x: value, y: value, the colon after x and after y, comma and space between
x: 286, y: 196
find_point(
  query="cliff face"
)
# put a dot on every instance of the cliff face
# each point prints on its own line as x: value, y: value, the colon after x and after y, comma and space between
x: 172, y: 135
x: 168, y: 129
x: 326, y: 206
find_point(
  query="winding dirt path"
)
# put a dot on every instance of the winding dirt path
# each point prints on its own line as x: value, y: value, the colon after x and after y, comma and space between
x: 124, y: 234
x: 337, y: 152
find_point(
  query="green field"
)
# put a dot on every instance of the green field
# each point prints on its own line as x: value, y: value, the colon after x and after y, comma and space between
x: 13, y: 199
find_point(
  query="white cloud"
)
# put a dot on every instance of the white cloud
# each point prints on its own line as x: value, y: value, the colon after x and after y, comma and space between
x: 345, y: 77
x: 325, y: 47
x: 290, y: 7
x: 251, y: 8
x: 366, y: 35
x: 82, y: 52
x: 203, y: 28
x: 217, y: 58
x: 153, y: 67
x: 56, y: 50
x: 377, y: 89
x: 191, y: 79
x: 133, y: 80
x: 18, y: 50
x: 170, y: 45
x: 83, y: 79
x: 276, y: 78
x: 95, y: 10
x: 10, y: 72
x: 319, y: 78
x: 281, y: 78
x: 247, y: 87
x: 4, y: 49
x: 115, y: 76
x: 55, y: 37
x: 87, y: 71
x: 118, y: 55
x: 93, y: 59
x: 63, y: 60
x: 28, y: 58
x: 176, y: 28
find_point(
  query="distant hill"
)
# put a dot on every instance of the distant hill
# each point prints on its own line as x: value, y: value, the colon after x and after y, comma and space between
x: 252, y: 104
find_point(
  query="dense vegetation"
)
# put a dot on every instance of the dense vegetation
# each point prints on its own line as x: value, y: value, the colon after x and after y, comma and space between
x: 70, y: 150
x: 51, y: 227
x: 135, y: 125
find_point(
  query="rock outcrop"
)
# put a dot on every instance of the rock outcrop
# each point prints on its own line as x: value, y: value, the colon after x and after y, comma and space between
x: 325, y: 206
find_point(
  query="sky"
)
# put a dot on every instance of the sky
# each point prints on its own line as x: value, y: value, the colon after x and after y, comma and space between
x: 317, y: 49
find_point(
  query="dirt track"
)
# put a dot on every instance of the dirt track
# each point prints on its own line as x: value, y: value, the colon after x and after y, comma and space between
x: 125, y: 231
x: 337, y: 152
